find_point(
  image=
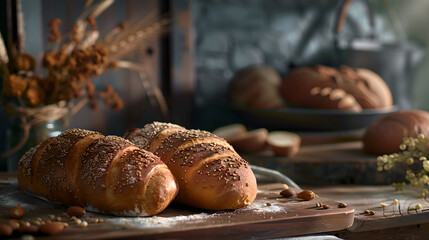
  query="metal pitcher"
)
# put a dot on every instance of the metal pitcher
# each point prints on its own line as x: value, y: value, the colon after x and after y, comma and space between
x: 396, y: 63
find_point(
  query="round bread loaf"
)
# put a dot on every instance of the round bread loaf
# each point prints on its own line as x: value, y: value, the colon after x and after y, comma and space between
x: 386, y: 134
x: 257, y: 86
x: 312, y: 86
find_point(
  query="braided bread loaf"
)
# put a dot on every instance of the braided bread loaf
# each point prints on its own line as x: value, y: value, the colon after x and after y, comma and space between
x: 101, y: 173
x: 210, y: 173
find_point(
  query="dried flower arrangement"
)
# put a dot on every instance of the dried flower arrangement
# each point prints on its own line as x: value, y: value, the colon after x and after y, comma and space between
x: 414, y: 155
x: 71, y: 64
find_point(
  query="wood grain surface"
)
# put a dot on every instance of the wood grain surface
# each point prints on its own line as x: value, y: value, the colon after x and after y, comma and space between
x: 362, y: 198
x: 328, y: 164
x: 270, y: 216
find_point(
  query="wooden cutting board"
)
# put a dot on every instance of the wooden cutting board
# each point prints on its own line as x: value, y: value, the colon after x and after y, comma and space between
x: 269, y: 216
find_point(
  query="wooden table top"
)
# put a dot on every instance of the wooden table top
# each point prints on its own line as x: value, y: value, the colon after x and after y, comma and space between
x: 357, y: 197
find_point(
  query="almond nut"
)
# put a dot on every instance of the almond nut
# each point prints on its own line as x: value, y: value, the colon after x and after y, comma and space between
x: 5, y: 229
x: 342, y: 205
x: 52, y: 228
x: 287, y: 192
x: 17, y: 212
x: 76, y: 211
x: 306, y: 195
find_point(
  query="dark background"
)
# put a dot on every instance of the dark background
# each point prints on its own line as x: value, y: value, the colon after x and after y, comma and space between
x: 211, y: 40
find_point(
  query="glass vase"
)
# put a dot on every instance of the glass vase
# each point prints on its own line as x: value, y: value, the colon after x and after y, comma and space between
x: 37, y: 134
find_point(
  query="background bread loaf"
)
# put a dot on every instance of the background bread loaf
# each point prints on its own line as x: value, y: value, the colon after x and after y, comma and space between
x: 107, y: 174
x: 362, y: 87
x: 386, y: 134
x: 210, y: 173
x: 257, y: 86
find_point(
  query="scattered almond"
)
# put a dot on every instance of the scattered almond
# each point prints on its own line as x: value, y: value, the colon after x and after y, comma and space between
x: 83, y: 224
x: 342, y: 205
x: 325, y: 206
x: 27, y: 237
x: 369, y: 212
x: 94, y: 220
x: 5, y: 229
x: 306, y: 195
x: 17, y: 212
x: 76, y: 211
x: 24, y: 223
x: 52, y: 228
x: 269, y: 204
x: 287, y: 192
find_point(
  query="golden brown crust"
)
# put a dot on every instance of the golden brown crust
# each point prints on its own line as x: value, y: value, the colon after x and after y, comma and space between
x: 50, y: 178
x: 224, y: 181
x: 386, y: 134
x: 108, y: 174
x: 35, y: 162
x: 142, y: 136
x: 74, y: 161
x: 156, y: 198
x: 24, y: 168
x: 210, y: 173
x: 129, y: 177
x: 176, y: 141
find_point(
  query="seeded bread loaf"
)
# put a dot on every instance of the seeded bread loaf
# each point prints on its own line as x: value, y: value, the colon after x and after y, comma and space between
x: 106, y: 174
x: 210, y: 173
x: 344, y: 88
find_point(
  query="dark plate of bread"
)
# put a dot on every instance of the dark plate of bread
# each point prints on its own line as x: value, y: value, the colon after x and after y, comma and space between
x: 310, y: 98
x: 309, y: 119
